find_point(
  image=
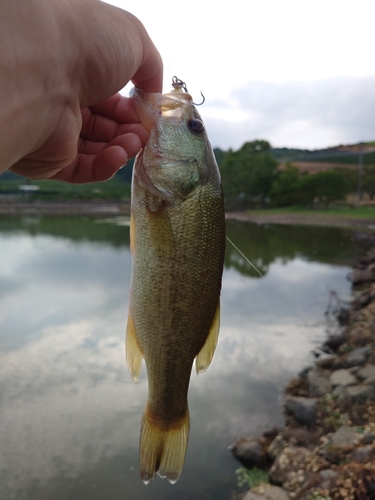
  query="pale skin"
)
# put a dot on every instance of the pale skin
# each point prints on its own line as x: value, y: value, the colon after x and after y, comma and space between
x: 62, y: 65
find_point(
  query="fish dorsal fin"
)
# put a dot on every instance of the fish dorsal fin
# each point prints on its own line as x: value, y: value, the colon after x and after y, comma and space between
x: 205, y: 355
x: 133, y: 352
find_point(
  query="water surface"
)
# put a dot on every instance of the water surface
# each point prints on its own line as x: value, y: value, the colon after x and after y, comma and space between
x: 69, y: 411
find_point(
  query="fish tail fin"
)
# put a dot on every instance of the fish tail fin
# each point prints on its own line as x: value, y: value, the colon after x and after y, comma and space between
x: 163, y: 450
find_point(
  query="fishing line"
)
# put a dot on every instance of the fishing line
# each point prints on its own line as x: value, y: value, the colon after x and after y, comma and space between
x: 244, y: 256
x: 282, y: 296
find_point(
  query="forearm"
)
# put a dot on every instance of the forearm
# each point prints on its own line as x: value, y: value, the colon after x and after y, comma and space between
x: 60, y: 56
x: 32, y: 78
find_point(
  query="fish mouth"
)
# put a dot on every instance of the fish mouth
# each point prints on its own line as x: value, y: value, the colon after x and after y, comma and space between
x: 150, y: 107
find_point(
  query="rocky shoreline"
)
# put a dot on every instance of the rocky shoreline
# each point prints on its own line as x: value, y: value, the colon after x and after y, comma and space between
x: 326, y: 451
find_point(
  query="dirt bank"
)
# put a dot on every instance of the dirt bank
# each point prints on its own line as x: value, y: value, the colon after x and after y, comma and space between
x: 301, y: 219
x: 89, y: 207
x: 114, y: 207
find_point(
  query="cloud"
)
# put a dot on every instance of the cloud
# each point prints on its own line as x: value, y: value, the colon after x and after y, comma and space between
x: 312, y: 114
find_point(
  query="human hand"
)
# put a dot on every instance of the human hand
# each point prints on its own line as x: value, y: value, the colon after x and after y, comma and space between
x: 82, y: 130
x: 110, y: 134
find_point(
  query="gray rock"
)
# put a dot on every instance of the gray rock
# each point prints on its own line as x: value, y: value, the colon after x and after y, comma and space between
x: 327, y: 477
x: 363, y: 454
x: 342, y: 377
x: 362, y: 275
x: 325, y: 361
x: 344, y: 437
x: 319, y: 384
x: 334, y: 341
x: 366, y: 372
x: 357, y: 356
x: 361, y: 393
x: 341, y: 394
x: 370, y: 381
x: 276, y: 447
x: 305, y: 410
x: 341, y: 441
x: 266, y: 492
x: 249, y: 452
x: 339, y: 362
x: 367, y: 438
x: 326, y: 349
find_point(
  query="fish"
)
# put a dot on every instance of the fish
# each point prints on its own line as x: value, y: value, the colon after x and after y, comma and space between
x: 177, y: 241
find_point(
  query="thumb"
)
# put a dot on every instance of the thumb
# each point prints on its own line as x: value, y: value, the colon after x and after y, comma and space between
x: 116, y: 49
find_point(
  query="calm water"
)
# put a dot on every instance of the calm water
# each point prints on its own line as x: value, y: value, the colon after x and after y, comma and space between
x: 69, y: 411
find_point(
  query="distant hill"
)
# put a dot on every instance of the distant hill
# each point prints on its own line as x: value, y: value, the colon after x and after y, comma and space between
x: 313, y: 161
x: 347, y: 154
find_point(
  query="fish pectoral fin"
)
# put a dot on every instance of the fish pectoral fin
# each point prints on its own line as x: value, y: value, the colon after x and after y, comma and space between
x: 133, y: 352
x: 205, y: 355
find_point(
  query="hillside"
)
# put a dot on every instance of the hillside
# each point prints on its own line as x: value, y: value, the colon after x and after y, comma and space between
x: 337, y: 154
x: 313, y: 161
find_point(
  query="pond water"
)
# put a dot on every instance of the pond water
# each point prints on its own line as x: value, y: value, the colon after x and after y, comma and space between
x: 69, y: 411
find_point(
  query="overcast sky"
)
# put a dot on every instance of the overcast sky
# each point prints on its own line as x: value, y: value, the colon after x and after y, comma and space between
x: 296, y: 73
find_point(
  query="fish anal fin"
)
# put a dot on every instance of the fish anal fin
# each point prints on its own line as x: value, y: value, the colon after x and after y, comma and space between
x: 163, y: 450
x: 133, y: 352
x: 205, y: 355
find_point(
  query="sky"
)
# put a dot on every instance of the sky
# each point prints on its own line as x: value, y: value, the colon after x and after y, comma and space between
x: 295, y: 73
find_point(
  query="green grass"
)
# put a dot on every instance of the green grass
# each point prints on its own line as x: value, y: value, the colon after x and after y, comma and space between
x: 251, y: 477
x: 56, y: 190
x: 360, y: 212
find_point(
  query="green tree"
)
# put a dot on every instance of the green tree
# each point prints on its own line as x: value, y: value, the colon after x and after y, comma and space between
x: 284, y: 190
x: 257, y: 146
x: 248, y: 174
x: 330, y: 186
x: 306, y: 189
x: 351, y: 176
x: 369, y: 180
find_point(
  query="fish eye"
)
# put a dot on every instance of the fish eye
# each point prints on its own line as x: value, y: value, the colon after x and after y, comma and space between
x: 195, y: 125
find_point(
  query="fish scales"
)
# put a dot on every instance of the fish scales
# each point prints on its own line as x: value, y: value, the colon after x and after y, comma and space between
x: 177, y: 241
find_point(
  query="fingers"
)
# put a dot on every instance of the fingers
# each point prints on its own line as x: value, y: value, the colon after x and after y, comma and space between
x: 100, y: 166
x: 96, y: 127
x: 116, y: 108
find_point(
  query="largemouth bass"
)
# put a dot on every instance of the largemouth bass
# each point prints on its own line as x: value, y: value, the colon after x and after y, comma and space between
x: 177, y: 240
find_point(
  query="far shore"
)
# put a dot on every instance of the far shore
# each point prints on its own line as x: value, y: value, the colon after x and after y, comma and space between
x: 308, y: 219
x: 112, y: 207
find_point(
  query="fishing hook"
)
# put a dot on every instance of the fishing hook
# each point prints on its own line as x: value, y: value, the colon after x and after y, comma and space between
x: 200, y: 104
x: 179, y: 84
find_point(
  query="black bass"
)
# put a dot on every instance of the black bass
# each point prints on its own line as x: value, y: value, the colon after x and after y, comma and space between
x: 177, y: 239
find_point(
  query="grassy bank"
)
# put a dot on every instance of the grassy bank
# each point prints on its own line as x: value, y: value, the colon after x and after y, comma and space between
x: 61, y: 191
x: 358, y: 212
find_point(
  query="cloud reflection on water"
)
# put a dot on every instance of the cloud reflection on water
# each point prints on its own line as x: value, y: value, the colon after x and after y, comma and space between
x: 67, y: 402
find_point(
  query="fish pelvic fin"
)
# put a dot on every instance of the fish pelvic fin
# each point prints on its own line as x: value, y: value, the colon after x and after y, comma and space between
x: 133, y: 353
x: 163, y: 450
x: 205, y: 355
